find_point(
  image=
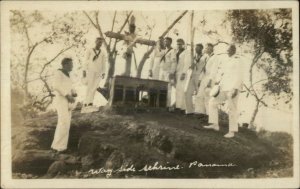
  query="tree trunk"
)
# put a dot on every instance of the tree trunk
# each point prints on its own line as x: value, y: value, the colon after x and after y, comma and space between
x: 112, y: 51
x: 27, y: 68
x: 113, y: 54
x: 173, y: 24
x: 147, y: 54
x: 111, y: 69
x: 254, y: 61
x: 192, y: 37
x: 112, y: 27
x: 254, y: 114
x: 143, y: 61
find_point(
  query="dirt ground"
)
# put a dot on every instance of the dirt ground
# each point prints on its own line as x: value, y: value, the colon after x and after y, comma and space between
x: 152, y: 142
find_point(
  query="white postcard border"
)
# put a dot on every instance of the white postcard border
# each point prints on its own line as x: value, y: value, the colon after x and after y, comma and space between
x: 8, y: 182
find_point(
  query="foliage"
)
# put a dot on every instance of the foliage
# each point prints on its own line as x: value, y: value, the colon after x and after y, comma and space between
x: 37, y: 42
x: 279, y: 78
x: 271, y: 32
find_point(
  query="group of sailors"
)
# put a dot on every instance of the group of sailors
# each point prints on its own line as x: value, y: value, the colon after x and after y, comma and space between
x: 211, y: 79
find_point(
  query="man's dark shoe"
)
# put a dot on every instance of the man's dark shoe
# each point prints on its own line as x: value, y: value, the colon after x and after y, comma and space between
x: 177, y: 110
x: 53, y: 151
x: 203, y: 117
x: 66, y: 151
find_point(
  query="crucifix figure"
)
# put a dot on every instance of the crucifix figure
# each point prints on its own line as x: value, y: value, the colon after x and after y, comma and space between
x: 130, y: 39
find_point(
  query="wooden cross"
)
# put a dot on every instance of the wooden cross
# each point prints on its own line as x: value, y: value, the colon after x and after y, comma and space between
x: 130, y: 40
x: 125, y: 38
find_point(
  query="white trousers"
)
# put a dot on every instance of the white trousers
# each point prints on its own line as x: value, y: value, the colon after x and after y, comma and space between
x: 191, y: 88
x: 232, y: 110
x: 93, y: 81
x: 201, y: 102
x: 202, y: 98
x: 171, y: 96
x: 164, y: 76
x: 180, y: 97
x: 61, y: 136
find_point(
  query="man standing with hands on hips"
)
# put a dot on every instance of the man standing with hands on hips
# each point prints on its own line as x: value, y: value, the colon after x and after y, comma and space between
x: 64, y: 103
x: 95, y: 69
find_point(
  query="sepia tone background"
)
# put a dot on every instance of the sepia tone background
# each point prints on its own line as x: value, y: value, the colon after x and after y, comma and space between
x: 271, y: 74
x: 70, y: 33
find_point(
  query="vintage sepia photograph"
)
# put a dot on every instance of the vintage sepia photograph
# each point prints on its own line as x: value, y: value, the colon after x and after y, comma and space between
x: 115, y: 91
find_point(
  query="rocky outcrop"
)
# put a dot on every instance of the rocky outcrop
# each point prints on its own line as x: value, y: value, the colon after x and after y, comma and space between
x: 151, y: 144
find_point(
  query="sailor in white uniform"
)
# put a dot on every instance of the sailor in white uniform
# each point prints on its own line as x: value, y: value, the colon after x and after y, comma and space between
x: 183, y: 64
x: 167, y: 60
x: 95, y: 70
x: 156, y: 58
x: 193, y: 83
x: 167, y: 70
x: 202, y: 97
x: 229, y: 81
x: 64, y: 102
